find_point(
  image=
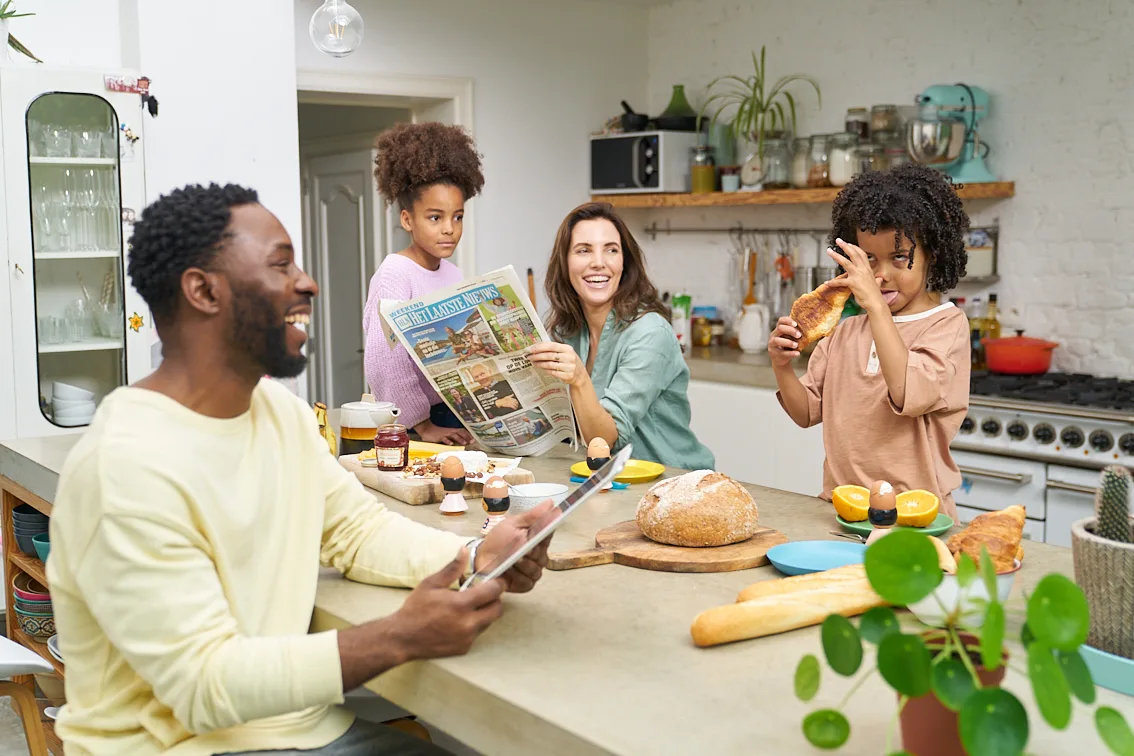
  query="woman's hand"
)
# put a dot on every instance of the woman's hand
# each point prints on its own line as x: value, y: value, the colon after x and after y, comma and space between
x: 859, y: 277
x: 783, y: 344
x: 435, y: 434
x: 558, y: 361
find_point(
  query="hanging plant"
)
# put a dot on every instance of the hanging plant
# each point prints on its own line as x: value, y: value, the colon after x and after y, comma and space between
x: 759, y: 109
x: 7, y: 12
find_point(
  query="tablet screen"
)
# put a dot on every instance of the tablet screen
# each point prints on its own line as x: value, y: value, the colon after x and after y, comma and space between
x: 554, y: 518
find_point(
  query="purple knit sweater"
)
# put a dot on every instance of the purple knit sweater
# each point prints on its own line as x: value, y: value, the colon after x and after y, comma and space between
x: 391, y: 374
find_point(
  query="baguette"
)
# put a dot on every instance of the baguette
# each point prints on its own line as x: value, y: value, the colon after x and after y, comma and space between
x: 776, y: 606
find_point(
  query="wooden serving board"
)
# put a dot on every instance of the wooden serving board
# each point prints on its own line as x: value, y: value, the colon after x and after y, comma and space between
x: 417, y: 491
x: 624, y: 544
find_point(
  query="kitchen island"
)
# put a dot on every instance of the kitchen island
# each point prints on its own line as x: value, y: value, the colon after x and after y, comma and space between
x: 599, y: 660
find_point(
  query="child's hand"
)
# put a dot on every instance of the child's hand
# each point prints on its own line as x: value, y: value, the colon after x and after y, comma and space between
x: 859, y: 277
x: 783, y: 346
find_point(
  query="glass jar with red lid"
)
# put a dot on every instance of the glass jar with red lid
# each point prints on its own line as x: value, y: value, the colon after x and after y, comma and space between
x: 391, y: 447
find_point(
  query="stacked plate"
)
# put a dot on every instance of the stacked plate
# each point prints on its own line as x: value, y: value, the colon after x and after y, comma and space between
x: 34, y: 612
x: 71, y: 406
x: 28, y: 523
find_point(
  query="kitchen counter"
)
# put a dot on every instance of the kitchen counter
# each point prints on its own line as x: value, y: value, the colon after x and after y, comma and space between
x: 732, y: 366
x: 599, y: 660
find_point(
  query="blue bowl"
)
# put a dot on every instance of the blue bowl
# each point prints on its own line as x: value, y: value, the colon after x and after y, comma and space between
x: 26, y: 512
x: 42, y: 543
x: 803, y: 557
x: 1109, y: 671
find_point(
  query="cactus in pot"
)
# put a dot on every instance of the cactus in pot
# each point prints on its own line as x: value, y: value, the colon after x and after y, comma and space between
x: 1103, y: 548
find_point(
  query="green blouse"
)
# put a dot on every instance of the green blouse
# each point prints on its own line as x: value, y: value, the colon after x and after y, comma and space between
x: 642, y: 380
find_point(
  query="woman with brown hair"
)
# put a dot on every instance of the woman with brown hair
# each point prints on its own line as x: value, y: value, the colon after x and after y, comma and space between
x: 617, y: 350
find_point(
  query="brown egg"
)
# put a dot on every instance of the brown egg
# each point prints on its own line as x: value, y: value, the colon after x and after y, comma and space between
x: 451, y: 467
x: 598, y: 448
x: 882, y: 496
x: 495, y: 488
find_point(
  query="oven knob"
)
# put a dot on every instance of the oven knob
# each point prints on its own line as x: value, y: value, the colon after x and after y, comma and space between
x: 1043, y: 433
x: 1017, y: 430
x: 1101, y: 441
x: 968, y: 426
x: 1126, y: 443
x: 1072, y: 437
x: 990, y: 427
x: 649, y: 152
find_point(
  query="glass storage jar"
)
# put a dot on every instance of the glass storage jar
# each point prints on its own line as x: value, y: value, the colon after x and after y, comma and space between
x: 817, y: 164
x: 858, y: 123
x: 800, y: 149
x: 894, y: 150
x: 884, y: 118
x: 703, y: 170
x: 777, y: 161
x: 869, y: 157
x: 841, y: 158
x: 391, y: 447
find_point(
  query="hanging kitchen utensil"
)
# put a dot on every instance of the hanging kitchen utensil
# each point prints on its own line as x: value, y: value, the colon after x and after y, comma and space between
x: 750, y: 297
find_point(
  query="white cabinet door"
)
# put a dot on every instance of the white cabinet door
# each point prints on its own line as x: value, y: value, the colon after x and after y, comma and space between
x: 754, y: 440
x: 1070, y: 498
x: 991, y: 483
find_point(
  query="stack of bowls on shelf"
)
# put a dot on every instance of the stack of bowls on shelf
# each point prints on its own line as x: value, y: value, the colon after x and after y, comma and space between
x: 30, y: 524
x: 33, y: 607
x: 71, y: 406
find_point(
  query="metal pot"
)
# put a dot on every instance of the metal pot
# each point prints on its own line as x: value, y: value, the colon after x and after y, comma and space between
x: 632, y: 121
x: 1018, y: 355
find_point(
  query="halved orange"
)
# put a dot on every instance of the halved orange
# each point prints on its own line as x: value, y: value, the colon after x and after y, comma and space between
x: 917, y: 509
x: 851, y: 502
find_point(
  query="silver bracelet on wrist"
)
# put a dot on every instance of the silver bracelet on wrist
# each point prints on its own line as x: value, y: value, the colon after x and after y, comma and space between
x: 470, y: 568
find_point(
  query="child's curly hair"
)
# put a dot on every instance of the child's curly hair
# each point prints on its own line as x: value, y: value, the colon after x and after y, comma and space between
x: 917, y: 202
x: 415, y: 156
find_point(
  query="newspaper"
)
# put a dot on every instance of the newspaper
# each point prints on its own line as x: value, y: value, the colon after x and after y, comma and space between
x: 471, y: 341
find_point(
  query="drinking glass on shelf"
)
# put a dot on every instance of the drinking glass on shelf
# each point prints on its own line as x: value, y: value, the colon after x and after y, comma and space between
x: 87, y: 143
x: 86, y: 211
x: 57, y: 141
x: 109, y: 209
x: 35, y: 137
x: 110, y: 320
x: 50, y: 330
x: 46, y: 239
x: 78, y: 317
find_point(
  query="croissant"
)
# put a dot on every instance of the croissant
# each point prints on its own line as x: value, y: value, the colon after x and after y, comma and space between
x: 999, y: 532
x: 818, y: 312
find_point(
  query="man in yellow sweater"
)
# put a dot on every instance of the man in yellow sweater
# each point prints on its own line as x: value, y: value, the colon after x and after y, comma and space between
x: 191, y: 519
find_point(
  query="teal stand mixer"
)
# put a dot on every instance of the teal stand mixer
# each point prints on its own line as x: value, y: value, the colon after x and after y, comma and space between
x: 944, y: 135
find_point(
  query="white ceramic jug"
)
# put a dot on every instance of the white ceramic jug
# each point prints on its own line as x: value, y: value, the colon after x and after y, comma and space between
x: 753, y: 331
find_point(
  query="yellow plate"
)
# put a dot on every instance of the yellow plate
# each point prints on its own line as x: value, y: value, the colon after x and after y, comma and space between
x: 636, y: 471
x: 424, y: 449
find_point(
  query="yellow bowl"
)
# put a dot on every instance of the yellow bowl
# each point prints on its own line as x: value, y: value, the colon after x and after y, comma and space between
x: 636, y: 471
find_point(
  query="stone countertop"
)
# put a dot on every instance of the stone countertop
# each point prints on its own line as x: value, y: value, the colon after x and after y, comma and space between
x: 732, y: 366
x: 599, y: 660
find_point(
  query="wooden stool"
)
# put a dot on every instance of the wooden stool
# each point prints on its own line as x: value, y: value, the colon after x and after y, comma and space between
x: 17, y: 660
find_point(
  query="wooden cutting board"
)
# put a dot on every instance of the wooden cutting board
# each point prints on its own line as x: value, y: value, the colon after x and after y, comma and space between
x: 416, y: 491
x: 624, y: 544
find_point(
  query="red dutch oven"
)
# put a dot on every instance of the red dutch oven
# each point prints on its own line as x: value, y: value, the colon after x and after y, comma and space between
x: 1018, y: 355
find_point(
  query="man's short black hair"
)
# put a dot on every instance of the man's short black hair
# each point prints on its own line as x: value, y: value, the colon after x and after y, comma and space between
x: 181, y: 230
x: 920, y: 204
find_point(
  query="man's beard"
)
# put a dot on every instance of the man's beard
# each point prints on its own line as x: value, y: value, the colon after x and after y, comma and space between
x: 256, y: 337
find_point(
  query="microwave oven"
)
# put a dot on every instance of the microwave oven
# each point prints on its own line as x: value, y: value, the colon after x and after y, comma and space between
x: 641, y: 162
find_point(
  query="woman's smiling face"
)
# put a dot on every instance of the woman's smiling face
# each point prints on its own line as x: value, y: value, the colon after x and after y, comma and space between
x: 594, y: 261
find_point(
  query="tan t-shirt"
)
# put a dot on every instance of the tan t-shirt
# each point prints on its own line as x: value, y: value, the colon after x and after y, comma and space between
x: 866, y: 437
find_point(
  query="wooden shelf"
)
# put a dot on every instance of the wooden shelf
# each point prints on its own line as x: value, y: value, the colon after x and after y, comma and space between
x: 997, y: 190
x: 30, y: 565
x: 40, y: 647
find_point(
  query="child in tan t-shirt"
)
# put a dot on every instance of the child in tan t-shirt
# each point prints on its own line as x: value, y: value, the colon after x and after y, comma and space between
x: 891, y: 387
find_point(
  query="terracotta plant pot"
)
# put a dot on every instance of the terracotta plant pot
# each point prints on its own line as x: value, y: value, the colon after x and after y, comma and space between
x: 930, y: 729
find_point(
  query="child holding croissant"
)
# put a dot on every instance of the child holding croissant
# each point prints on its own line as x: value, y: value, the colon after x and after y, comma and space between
x: 891, y: 386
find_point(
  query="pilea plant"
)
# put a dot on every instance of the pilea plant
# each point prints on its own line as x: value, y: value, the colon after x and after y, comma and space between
x: 943, y: 662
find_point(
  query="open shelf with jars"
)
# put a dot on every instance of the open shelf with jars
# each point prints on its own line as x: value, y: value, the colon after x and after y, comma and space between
x: 993, y: 190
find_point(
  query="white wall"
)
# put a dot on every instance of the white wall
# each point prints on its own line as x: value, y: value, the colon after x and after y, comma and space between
x: 1061, y: 76
x: 72, y: 33
x: 321, y: 121
x: 545, y: 75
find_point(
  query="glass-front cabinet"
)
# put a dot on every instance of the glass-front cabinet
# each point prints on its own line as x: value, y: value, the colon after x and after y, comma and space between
x: 78, y: 330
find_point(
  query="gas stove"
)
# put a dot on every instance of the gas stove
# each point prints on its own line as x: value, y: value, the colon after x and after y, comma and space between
x: 1074, y: 419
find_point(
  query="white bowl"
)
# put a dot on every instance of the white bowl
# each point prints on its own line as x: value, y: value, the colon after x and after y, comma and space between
x: 71, y: 393
x: 58, y: 403
x: 528, y: 495
x: 74, y: 422
x: 948, y: 596
x: 85, y: 410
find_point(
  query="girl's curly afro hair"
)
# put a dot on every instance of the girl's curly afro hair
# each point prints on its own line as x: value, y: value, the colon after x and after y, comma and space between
x: 917, y: 202
x: 415, y: 156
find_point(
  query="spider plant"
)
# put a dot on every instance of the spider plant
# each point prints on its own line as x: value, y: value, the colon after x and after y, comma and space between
x: 759, y: 108
x: 7, y: 12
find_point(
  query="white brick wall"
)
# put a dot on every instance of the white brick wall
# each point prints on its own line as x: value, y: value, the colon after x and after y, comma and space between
x: 1061, y: 75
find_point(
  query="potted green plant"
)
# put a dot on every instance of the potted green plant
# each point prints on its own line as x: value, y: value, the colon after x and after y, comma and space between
x: 759, y: 108
x: 947, y: 679
x: 6, y: 39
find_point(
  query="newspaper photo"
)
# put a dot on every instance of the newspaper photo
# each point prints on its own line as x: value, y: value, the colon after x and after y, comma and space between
x: 471, y: 340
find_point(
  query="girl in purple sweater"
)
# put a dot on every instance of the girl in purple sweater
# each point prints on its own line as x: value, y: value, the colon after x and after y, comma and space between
x: 430, y: 170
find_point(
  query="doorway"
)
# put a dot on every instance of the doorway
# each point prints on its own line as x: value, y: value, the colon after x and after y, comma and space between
x: 347, y: 229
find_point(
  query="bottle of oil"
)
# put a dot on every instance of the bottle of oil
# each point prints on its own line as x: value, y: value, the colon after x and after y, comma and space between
x: 976, y: 326
x: 990, y: 326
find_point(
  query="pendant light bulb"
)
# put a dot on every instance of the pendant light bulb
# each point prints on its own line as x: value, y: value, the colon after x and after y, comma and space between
x: 336, y: 28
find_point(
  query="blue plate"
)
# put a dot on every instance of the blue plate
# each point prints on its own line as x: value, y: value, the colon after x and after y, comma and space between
x: 802, y: 557
x: 1107, y: 670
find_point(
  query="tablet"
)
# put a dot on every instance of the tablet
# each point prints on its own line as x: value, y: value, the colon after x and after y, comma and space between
x: 555, y: 517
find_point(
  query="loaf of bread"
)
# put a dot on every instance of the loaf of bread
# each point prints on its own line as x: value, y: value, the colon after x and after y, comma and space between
x: 701, y: 508
x: 818, y: 312
x: 1001, y: 533
x: 776, y: 606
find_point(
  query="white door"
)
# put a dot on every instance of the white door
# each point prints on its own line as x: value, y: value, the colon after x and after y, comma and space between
x: 66, y: 187
x: 1070, y: 497
x: 343, y: 256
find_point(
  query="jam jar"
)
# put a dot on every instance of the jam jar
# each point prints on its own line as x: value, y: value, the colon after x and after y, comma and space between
x: 391, y: 447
